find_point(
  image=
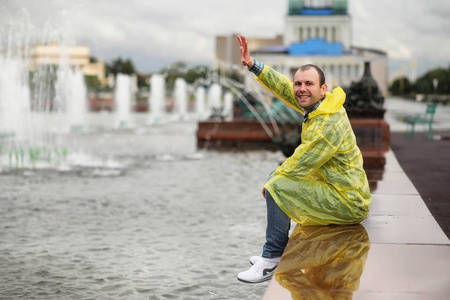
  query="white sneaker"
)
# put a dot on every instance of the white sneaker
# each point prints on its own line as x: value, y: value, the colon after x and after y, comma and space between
x: 253, y: 259
x: 262, y: 270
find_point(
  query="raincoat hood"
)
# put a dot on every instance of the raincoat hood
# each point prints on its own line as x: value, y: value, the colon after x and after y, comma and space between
x: 332, y: 103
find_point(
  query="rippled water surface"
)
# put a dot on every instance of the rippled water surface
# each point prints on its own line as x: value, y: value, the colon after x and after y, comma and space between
x: 134, y: 213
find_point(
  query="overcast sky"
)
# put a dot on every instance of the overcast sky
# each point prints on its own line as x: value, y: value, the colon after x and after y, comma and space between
x: 155, y: 33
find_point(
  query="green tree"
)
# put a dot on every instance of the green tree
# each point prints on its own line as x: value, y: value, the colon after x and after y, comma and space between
x: 401, y: 86
x: 174, y: 71
x: 92, y: 81
x: 424, y: 84
x: 120, y: 66
x: 143, y: 80
x: 197, y: 72
x: 182, y: 70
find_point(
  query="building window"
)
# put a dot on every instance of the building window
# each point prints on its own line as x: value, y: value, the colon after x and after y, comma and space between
x: 317, y: 32
x: 308, y: 32
x: 333, y: 34
x: 325, y: 33
x: 300, y: 35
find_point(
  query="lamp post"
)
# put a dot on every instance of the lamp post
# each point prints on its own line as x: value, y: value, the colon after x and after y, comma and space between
x: 435, y: 85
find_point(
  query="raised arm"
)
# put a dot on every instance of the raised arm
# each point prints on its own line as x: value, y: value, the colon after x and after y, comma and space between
x: 275, y: 82
x: 246, y: 59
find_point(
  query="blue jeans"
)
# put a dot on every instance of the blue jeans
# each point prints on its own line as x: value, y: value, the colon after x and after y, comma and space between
x: 277, y: 231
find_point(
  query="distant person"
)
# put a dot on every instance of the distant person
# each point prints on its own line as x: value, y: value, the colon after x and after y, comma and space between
x: 323, y: 182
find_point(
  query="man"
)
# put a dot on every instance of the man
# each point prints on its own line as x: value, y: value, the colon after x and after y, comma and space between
x: 323, y: 182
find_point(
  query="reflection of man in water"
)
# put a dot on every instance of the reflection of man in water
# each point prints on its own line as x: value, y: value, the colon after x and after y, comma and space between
x: 323, y: 182
x: 324, y: 262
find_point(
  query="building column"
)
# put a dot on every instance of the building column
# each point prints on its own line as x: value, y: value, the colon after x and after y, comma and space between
x: 329, y: 34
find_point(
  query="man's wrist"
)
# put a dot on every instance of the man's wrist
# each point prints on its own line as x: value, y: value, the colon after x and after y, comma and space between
x: 252, y: 63
x: 256, y: 68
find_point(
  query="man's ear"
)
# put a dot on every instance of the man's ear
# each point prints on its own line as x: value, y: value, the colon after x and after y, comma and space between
x: 324, y: 89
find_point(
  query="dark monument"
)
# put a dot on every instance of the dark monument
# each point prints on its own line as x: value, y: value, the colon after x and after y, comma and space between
x: 364, y: 99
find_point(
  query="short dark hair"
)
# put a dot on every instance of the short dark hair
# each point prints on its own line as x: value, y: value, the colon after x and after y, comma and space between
x: 311, y: 66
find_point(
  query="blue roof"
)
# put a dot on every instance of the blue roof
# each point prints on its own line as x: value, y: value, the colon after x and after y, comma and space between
x: 316, y: 46
x: 317, y: 11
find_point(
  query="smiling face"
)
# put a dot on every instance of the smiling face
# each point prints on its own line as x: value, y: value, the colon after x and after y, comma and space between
x: 307, y: 88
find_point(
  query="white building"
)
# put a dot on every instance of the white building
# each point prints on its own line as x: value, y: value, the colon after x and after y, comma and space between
x: 317, y: 32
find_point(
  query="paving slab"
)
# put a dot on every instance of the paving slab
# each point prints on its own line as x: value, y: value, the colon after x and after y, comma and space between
x: 394, y: 180
x: 404, y: 230
x: 398, y: 205
x: 406, y: 270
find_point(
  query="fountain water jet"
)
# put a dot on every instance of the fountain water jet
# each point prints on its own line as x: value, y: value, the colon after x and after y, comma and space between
x: 214, y: 99
x: 122, y: 96
x: 227, y: 111
x: 181, y: 98
x: 14, y: 98
x: 39, y: 107
x: 71, y: 97
x: 157, y: 99
x: 200, y: 103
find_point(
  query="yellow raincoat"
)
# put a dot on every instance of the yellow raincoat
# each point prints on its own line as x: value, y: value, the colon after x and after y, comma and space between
x: 323, y: 182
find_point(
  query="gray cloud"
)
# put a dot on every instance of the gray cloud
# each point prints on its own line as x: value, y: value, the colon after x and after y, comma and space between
x: 158, y: 32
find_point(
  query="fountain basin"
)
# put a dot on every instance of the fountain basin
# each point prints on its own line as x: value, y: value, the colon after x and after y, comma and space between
x: 372, y: 135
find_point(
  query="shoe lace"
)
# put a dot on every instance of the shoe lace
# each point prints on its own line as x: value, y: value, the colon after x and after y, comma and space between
x: 260, y: 265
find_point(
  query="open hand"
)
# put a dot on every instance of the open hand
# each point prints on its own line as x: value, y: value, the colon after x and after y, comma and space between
x: 246, y: 59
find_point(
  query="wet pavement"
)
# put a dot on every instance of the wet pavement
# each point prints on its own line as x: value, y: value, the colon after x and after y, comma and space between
x: 427, y: 164
x: 400, y: 250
